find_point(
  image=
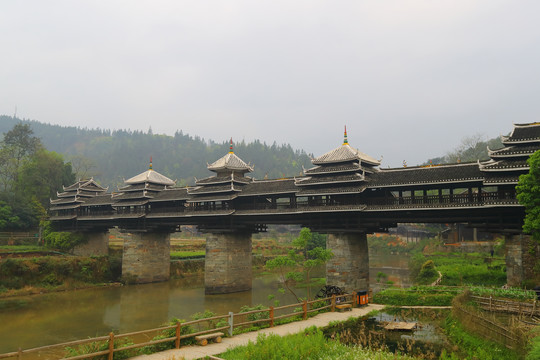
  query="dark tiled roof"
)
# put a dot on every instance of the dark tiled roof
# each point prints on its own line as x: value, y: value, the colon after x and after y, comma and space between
x: 514, y: 151
x: 504, y: 165
x: 344, y: 153
x: 66, y: 201
x: 224, y: 179
x: 86, y: 184
x: 133, y: 195
x: 208, y: 189
x: 212, y: 197
x: 317, y: 180
x: 98, y: 200
x: 348, y: 167
x: 524, y: 133
x: 495, y: 178
x: 134, y: 202
x: 172, y: 194
x: 64, y: 207
x: 269, y: 187
x: 331, y: 190
x: 425, y: 175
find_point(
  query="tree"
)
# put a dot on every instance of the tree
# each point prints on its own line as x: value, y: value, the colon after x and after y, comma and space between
x: 528, y: 195
x: 298, y: 264
x: 43, y: 175
x: 17, y: 146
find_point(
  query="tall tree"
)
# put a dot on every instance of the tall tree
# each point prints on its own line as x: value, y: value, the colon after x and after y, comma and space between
x: 528, y: 195
x: 17, y: 146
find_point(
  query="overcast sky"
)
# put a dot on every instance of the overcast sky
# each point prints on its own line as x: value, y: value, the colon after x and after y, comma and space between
x: 410, y: 79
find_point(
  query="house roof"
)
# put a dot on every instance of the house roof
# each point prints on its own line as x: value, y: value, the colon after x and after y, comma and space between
x: 230, y: 162
x: 344, y: 153
x: 150, y: 176
x: 523, y: 133
x: 426, y: 175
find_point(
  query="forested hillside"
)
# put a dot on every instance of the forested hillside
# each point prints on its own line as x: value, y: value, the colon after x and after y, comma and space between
x: 110, y: 156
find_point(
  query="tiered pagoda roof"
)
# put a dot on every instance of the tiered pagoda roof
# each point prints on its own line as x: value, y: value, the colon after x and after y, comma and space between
x: 507, y: 163
x: 74, y: 195
x: 228, y: 182
x: 339, y: 171
x: 139, y: 189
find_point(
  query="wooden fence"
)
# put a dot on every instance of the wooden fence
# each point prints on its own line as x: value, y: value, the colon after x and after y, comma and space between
x: 234, y: 321
x: 487, y: 328
x: 512, y: 307
x: 512, y: 335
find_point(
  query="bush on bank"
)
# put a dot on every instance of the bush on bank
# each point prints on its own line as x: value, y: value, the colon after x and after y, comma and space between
x: 55, y: 271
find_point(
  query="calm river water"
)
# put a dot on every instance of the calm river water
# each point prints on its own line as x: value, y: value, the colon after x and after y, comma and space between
x: 38, y: 320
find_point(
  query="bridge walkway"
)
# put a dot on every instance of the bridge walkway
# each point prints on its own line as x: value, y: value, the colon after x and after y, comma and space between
x: 196, y: 352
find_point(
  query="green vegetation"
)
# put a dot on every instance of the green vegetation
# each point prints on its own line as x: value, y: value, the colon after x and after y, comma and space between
x: 110, y: 156
x: 416, y: 296
x: 528, y: 195
x: 310, y: 344
x: 470, y: 346
x: 29, y: 176
x: 298, y: 264
x: 458, y: 269
x: 55, y: 272
x: 175, y: 255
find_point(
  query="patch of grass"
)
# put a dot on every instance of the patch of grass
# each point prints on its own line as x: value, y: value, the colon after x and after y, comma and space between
x: 187, y: 254
x: 469, y: 346
x: 415, y: 296
x: 309, y: 344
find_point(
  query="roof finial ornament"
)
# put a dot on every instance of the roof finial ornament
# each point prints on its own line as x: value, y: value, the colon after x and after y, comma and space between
x: 345, y: 141
x: 231, y: 148
x: 150, y: 167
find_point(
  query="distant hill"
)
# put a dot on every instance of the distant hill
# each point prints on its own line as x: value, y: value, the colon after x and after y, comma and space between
x: 472, y: 148
x: 110, y: 156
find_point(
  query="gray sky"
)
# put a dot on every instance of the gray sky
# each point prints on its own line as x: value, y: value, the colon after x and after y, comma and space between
x: 410, y: 79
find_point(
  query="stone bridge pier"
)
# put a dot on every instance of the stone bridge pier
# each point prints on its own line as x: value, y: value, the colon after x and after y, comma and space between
x: 95, y: 243
x: 349, y: 267
x: 227, y: 266
x: 147, y: 257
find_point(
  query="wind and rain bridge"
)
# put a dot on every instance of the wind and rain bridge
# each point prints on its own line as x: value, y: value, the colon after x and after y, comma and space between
x: 345, y: 195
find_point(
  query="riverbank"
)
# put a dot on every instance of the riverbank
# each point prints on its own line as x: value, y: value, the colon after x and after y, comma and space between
x: 320, y: 320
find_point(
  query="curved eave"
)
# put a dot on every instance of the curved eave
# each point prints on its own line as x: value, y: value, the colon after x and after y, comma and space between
x: 453, y: 207
x: 269, y: 193
x: 215, y: 192
x: 507, y: 141
x: 454, y: 181
x: 331, y: 182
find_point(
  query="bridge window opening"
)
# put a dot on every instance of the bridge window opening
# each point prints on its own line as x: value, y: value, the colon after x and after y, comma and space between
x: 283, y: 203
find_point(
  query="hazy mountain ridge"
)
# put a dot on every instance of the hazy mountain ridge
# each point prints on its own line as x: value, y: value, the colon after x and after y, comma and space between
x: 111, y: 156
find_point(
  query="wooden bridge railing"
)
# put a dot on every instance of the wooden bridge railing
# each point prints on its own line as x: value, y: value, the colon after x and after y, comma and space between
x: 234, y: 321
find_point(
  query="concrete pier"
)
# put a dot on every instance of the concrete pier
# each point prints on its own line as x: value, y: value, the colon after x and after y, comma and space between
x: 349, y: 267
x: 228, y: 263
x: 146, y: 258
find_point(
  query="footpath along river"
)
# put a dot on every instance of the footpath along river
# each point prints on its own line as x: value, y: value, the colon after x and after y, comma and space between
x: 38, y: 320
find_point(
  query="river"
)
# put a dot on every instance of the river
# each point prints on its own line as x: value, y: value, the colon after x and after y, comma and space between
x: 45, y: 319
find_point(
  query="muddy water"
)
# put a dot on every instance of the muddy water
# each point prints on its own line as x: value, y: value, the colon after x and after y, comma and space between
x: 33, y: 321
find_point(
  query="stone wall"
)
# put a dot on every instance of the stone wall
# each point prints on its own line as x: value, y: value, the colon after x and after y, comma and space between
x: 522, y: 261
x: 146, y: 258
x: 228, y: 263
x: 349, y: 267
x: 95, y: 244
